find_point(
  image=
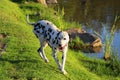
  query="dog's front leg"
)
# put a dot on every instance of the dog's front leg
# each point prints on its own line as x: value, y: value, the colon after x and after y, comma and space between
x: 64, y: 59
x: 54, y: 54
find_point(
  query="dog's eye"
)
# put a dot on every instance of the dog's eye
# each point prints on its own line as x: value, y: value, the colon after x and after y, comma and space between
x: 64, y: 38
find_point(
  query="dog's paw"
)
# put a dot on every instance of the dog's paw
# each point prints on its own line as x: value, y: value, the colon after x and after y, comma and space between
x: 64, y: 72
x: 46, y: 61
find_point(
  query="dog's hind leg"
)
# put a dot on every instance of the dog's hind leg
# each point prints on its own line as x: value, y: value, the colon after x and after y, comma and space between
x: 41, y: 50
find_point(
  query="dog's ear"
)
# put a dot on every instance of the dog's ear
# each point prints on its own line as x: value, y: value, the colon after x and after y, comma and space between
x: 64, y: 32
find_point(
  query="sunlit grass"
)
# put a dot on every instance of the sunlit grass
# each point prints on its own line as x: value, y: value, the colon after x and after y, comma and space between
x: 21, y: 60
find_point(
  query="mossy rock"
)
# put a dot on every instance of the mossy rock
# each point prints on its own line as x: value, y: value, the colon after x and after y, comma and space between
x: 87, y: 42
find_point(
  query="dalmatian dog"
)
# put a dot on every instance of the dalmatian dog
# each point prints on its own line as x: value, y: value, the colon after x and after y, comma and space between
x: 48, y: 33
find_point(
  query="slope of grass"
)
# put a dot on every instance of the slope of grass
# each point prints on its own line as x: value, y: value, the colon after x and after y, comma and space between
x: 21, y: 60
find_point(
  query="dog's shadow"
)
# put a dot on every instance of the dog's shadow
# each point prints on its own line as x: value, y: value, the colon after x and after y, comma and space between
x: 48, y: 66
x: 17, y: 61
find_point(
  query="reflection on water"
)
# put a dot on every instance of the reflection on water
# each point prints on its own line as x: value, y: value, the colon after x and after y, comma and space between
x: 91, y: 13
x: 90, y: 10
x: 103, y: 31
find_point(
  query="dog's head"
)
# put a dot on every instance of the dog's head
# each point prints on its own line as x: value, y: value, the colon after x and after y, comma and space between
x: 63, y: 39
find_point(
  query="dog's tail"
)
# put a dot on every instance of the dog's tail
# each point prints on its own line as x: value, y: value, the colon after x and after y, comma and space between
x: 27, y: 19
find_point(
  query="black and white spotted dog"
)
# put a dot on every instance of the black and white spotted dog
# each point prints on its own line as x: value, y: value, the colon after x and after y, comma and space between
x: 49, y: 34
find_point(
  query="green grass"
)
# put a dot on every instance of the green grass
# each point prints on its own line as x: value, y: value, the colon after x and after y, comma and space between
x: 21, y: 60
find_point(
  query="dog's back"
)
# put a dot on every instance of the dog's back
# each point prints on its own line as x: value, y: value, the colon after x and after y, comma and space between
x: 47, y: 30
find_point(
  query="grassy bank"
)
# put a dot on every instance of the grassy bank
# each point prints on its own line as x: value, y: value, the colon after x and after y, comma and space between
x: 21, y: 60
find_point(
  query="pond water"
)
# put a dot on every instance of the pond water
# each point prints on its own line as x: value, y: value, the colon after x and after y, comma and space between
x: 95, y: 16
x: 104, y: 31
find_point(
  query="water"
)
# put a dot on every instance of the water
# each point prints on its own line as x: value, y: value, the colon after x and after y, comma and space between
x: 103, y: 31
x: 95, y: 15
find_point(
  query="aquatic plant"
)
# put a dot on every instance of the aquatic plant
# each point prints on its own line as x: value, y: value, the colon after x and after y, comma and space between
x: 108, y: 50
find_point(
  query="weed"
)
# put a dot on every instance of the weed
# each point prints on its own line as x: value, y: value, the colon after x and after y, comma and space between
x: 108, y: 50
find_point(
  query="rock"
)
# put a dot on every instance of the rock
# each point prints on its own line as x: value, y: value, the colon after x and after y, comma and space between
x: 42, y: 2
x: 97, y: 42
x: 91, y: 40
x: 45, y: 2
x: 84, y: 36
x: 73, y: 32
x: 51, y: 1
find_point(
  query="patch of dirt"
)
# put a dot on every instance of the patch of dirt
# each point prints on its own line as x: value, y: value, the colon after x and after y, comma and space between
x: 2, y: 45
x: 1, y: 37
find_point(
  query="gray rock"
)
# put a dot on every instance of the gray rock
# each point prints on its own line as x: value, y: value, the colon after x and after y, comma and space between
x: 51, y: 1
x: 92, y: 43
x: 88, y: 38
